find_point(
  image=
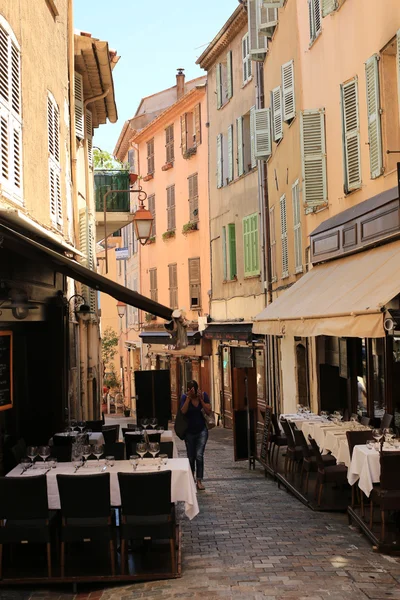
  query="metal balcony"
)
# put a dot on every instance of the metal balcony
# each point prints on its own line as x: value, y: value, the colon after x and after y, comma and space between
x: 118, y: 210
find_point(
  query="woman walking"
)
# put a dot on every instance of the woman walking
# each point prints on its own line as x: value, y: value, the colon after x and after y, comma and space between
x: 192, y: 405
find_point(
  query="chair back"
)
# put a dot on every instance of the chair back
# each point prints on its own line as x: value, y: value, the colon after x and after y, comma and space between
x: 300, y: 440
x: 19, y: 451
x: 95, y: 425
x: 62, y: 453
x: 288, y: 433
x: 110, y: 434
x: 145, y: 494
x: 23, y: 497
x: 354, y: 416
x: 275, y: 424
x: 63, y: 440
x: 390, y: 468
x: 346, y: 415
x: 357, y: 438
x: 317, y: 454
x: 386, y: 421
x: 84, y: 496
x: 117, y: 450
x: 167, y: 448
x: 365, y: 421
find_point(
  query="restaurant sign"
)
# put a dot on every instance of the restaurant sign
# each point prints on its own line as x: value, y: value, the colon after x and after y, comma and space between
x: 227, y: 336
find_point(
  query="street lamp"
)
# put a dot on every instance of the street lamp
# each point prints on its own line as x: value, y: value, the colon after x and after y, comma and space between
x: 143, y: 222
x: 121, y: 308
x: 81, y: 309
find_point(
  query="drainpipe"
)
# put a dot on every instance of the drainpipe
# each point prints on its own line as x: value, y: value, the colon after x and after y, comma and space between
x: 71, y: 74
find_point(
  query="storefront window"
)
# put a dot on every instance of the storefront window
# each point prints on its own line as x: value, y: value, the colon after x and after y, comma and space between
x: 260, y: 365
x: 378, y: 372
x: 362, y: 400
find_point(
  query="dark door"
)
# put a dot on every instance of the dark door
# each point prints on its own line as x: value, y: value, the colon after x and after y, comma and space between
x: 244, y: 393
x: 153, y: 394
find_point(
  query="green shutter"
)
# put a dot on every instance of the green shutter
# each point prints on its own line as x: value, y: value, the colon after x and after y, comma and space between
x: 250, y: 243
x: 232, y: 251
x: 224, y: 255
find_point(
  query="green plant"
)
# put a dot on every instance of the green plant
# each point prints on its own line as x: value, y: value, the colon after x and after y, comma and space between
x: 112, y: 380
x: 191, y: 226
x: 109, y: 345
x: 152, y: 239
x: 168, y: 234
x: 190, y: 152
x: 149, y: 317
x: 104, y: 160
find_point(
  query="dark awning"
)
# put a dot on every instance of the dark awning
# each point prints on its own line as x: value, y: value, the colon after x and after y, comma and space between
x: 163, y: 337
x: 27, y: 247
x: 229, y: 331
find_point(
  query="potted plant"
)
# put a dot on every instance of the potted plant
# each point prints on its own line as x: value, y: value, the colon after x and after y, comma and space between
x: 168, y: 234
x: 127, y: 411
x: 191, y: 226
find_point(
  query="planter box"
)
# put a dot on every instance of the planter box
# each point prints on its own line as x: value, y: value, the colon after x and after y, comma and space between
x: 148, y: 177
x: 167, y: 166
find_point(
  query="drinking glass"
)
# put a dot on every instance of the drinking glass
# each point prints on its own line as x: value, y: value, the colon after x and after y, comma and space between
x: 98, y: 451
x: 154, y: 448
x: 389, y: 434
x: 163, y: 458
x: 32, y: 453
x: 76, y: 460
x: 86, y: 452
x: 25, y: 464
x: 141, y: 449
x: 73, y: 424
x: 52, y: 462
x: 144, y: 423
x: 110, y: 461
x: 160, y: 428
x: 370, y: 444
x: 44, y: 453
x: 153, y: 423
x: 376, y: 434
x: 81, y: 425
x: 134, y: 460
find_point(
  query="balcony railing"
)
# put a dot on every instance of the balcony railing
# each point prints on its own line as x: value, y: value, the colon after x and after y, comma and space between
x: 112, y: 180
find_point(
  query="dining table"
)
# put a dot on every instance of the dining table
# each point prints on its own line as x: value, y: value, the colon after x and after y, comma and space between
x: 183, y: 488
x: 166, y: 436
x: 95, y: 437
x: 365, y: 467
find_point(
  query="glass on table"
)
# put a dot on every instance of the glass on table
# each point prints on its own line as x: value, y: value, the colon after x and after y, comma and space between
x: 160, y: 429
x: 32, y: 453
x: 154, y: 448
x: 389, y: 434
x: 77, y: 460
x: 52, y: 462
x: 44, y: 453
x: 377, y: 434
x: 163, y: 459
x: 134, y: 460
x: 153, y: 422
x: 81, y: 425
x: 110, y: 461
x: 98, y: 451
x: 25, y: 464
x: 141, y: 449
x: 144, y: 422
x: 73, y: 423
x: 86, y: 452
x: 370, y: 444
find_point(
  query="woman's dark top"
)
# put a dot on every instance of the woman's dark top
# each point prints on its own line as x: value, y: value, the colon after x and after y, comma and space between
x: 196, y: 422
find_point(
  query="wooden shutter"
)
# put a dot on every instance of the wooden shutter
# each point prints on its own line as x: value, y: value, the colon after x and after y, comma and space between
x: 239, y: 142
x: 257, y: 40
x: 84, y: 246
x: 276, y: 103
x: 194, y: 282
x: 328, y: 6
x: 224, y: 254
x: 16, y: 150
x: 150, y: 156
x: 171, y: 207
x: 298, y: 252
x: 15, y: 80
x: 230, y: 153
x: 55, y: 193
x: 289, y: 104
x: 398, y: 69
x: 89, y: 137
x: 4, y: 144
x: 268, y: 20
x: 220, y: 175
x: 262, y: 119
x: 252, y: 137
x: 173, y: 285
x: 314, y: 10
x: 374, y: 117
x: 313, y: 155
x: 79, y: 109
x: 272, y: 235
x: 232, y: 251
x: 229, y: 75
x: 4, y: 66
x: 184, y: 133
x: 197, y: 123
x: 351, y: 135
x: 284, y: 239
x: 132, y: 161
x: 218, y: 76
x: 152, y: 209
x: 193, y: 198
x: 153, y: 284
x: 169, y: 143
x: 53, y: 129
x: 251, y: 245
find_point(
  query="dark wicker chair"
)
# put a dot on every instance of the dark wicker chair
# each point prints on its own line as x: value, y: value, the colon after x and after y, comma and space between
x: 386, y: 421
x: 167, y: 448
x: 95, y: 425
x: 387, y: 494
x: 335, y: 474
x: 117, y: 450
x: 365, y: 421
x: 278, y: 440
x: 62, y: 453
x: 294, y: 453
x: 309, y: 460
x: 110, y: 434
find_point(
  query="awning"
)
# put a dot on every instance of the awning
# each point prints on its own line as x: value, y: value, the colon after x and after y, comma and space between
x: 228, y: 331
x: 346, y: 297
x: 163, y: 337
x: 27, y: 247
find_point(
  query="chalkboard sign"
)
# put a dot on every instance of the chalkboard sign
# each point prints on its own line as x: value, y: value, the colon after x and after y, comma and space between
x: 266, y: 435
x: 6, y: 383
x: 240, y: 434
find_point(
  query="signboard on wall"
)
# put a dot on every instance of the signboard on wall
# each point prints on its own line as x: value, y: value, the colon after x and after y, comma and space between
x: 6, y: 370
x: 121, y: 253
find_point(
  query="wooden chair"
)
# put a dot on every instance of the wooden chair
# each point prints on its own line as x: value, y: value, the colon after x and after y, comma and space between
x: 278, y: 440
x: 327, y: 474
x: 309, y: 460
x: 294, y: 453
x: 387, y: 494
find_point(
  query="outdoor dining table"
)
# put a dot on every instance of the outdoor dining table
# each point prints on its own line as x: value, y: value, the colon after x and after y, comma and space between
x: 166, y: 436
x: 183, y: 488
x: 95, y: 437
x: 365, y: 467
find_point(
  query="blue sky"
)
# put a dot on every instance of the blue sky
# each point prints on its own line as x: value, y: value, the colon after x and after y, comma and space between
x: 153, y: 38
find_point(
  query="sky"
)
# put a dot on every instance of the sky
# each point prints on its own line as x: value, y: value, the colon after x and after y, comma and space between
x: 153, y: 38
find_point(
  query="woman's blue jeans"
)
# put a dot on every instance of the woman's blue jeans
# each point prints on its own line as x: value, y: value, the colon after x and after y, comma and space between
x: 195, y: 445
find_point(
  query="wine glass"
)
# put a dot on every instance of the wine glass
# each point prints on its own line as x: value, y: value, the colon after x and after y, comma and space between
x: 388, y: 433
x: 134, y: 460
x: 141, y: 449
x: 153, y: 423
x: 98, y: 451
x: 144, y: 423
x: 73, y: 424
x: 376, y: 434
x: 44, y: 453
x: 32, y: 453
x: 81, y: 425
x: 160, y: 428
x: 25, y: 464
x: 154, y: 448
x: 86, y: 452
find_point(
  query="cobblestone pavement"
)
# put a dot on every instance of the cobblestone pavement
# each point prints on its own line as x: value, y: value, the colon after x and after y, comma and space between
x: 254, y: 541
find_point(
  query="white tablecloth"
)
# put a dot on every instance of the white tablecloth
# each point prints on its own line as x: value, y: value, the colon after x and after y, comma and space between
x: 166, y: 436
x: 337, y: 444
x: 183, y: 488
x: 364, y: 468
x: 96, y: 437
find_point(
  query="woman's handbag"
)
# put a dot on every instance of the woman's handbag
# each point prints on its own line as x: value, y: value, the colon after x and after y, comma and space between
x: 209, y: 419
x: 181, y: 425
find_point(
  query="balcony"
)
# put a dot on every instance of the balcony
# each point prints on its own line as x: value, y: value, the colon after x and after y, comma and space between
x: 118, y: 203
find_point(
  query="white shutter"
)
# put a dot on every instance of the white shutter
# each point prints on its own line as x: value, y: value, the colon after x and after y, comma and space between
x: 53, y: 129
x: 268, y: 20
x: 298, y: 258
x: 16, y: 151
x: 230, y: 153
x: 351, y: 135
x: 374, y: 117
x: 284, y: 238
x: 262, y: 120
x: 55, y: 193
x: 229, y: 77
x: 15, y: 80
x: 398, y: 69
x: 252, y: 137
x: 78, y: 95
x: 258, y: 44
x: 328, y: 6
x: 314, y: 10
x: 240, y: 152
x: 277, y: 113
x: 289, y: 104
x: 92, y: 261
x: 313, y: 154
x: 220, y: 181
x: 273, y: 3
x: 89, y: 137
x: 4, y: 66
x: 219, y: 88
x: 84, y: 246
x: 244, y: 57
x: 4, y: 145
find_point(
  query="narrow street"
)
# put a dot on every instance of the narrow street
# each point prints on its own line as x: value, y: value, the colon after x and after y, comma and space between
x: 252, y: 541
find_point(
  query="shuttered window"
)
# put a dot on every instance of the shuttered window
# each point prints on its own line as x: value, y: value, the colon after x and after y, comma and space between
x: 169, y: 144
x: 224, y: 254
x: 374, y: 117
x: 197, y: 124
x: 173, y: 285
x: 230, y: 153
x: 171, y: 208
x: 253, y: 159
x: 276, y: 103
x: 194, y: 283
x: 79, y: 107
x: 229, y: 76
x: 273, y: 3
x: 232, y: 251
x: 246, y: 59
x: 314, y: 16
x: 89, y: 137
x: 272, y: 235
x: 298, y: 245
x: 53, y: 129
x: 328, y: 6
x: 240, y: 148
x: 288, y: 98
x: 132, y: 160
x: 218, y: 78
x: 351, y: 135
x: 153, y: 284
x: 150, y: 157
x: 184, y: 144
x: 10, y: 113
x: 262, y: 137
x: 87, y: 229
x: 268, y: 20
x: 152, y: 209
x: 251, y: 245
x: 313, y: 155
x: 284, y: 238
x: 193, y: 198
x: 258, y: 43
x: 220, y: 173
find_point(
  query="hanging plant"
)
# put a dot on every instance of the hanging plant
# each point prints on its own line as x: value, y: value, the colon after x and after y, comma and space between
x: 191, y: 226
x: 168, y: 234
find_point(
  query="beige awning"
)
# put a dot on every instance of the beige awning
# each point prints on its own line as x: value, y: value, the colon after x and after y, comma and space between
x: 344, y: 298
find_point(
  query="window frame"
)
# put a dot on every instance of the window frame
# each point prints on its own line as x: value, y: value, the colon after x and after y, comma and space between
x: 194, y: 283
x: 251, y: 245
x: 153, y: 279
x: 193, y: 185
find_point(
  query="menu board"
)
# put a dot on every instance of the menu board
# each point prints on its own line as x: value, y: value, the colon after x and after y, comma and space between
x: 265, y: 436
x: 6, y: 384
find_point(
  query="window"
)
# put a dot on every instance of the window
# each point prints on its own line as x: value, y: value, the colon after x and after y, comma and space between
x: 153, y: 284
x: 284, y: 239
x: 277, y: 116
x: 251, y: 245
x: 246, y: 59
x: 374, y: 117
x: 230, y: 154
x: 10, y: 113
x: 132, y: 160
x: 171, y: 208
x: 240, y: 152
x: 150, y: 157
x: 191, y: 131
x: 152, y: 209
x: 314, y: 15
x: 329, y: 6
x: 313, y: 155
x: 245, y: 136
x: 53, y: 128
x: 272, y: 242
x: 220, y: 160
x: 232, y: 251
x: 224, y: 81
x: 268, y: 17
x: 289, y: 104
x: 87, y: 247
x: 224, y: 254
x: 390, y: 72
x: 193, y: 198
x: 169, y: 144
x: 194, y: 283
x: 262, y: 133
x: 258, y: 42
x: 298, y: 251
x: 351, y: 135
x: 89, y: 137
x: 79, y: 106
x: 173, y: 285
